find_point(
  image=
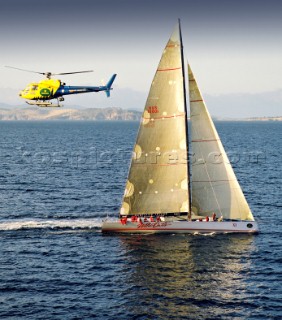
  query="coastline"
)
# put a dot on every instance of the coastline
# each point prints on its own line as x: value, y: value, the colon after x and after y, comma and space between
x: 93, y: 114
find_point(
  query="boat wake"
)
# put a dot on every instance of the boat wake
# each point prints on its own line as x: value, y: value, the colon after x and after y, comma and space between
x: 86, y: 224
x: 208, y: 234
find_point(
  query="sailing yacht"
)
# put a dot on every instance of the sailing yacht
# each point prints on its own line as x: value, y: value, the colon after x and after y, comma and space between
x: 168, y: 191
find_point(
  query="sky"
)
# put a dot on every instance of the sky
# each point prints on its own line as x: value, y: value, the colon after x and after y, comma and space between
x: 234, y: 48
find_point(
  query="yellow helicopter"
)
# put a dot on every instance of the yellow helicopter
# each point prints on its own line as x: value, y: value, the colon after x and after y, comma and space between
x: 41, y: 93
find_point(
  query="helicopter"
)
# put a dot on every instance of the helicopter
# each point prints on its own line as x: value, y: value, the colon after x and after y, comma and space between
x: 40, y: 94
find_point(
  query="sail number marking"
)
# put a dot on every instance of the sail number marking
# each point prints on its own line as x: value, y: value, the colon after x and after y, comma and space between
x: 153, y: 109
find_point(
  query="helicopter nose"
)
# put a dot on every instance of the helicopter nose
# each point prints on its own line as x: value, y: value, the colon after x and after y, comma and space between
x: 20, y: 94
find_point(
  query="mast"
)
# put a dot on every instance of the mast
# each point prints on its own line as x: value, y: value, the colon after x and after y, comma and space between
x: 186, y: 123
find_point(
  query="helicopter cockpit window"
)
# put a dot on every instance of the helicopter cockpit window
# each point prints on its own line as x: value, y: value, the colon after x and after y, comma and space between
x: 34, y: 87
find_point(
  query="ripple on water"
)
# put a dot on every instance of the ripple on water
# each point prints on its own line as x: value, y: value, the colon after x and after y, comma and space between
x: 56, y: 264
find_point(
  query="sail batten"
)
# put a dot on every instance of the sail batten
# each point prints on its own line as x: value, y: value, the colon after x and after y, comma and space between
x: 215, y: 188
x: 158, y: 177
x: 169, y: 69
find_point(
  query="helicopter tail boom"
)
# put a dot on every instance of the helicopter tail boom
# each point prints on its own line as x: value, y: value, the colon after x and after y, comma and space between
x: 109, y: 85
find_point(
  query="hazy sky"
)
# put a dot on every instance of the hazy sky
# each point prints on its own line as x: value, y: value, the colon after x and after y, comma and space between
x: 233, y: 46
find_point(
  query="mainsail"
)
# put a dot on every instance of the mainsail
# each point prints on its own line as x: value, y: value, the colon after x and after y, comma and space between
x: 214, y: 184
x: 158, y: 176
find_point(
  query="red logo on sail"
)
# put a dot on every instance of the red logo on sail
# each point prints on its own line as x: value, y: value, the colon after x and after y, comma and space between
x: 153, y: 109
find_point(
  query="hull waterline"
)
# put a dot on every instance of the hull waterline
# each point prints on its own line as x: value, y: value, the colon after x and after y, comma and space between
x: 181, y: 227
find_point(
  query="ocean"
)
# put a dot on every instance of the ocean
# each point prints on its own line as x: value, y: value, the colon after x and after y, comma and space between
x: 59, y: 180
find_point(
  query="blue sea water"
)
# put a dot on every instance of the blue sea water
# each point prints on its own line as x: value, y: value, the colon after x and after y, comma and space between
x: 58, y: 180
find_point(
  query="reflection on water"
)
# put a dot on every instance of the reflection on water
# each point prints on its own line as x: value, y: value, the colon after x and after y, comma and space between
x: 198, y: 277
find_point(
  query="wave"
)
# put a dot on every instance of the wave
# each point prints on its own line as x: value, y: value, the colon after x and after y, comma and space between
x: 94, y: 223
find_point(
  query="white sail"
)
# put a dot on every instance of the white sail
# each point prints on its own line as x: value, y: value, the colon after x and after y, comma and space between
x: 214, y: 184
x: 158, y: 179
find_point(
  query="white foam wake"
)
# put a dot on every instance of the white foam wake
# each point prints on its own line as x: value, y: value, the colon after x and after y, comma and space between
x: 51, y: 224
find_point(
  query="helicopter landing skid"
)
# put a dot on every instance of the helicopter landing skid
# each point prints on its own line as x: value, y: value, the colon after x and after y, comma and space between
x: 44, y: 104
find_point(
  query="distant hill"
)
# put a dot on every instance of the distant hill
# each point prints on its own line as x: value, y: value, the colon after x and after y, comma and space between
x: 23, y: 113
x: 222, y: 106
x: 35, y: 113
x: 278, y: 118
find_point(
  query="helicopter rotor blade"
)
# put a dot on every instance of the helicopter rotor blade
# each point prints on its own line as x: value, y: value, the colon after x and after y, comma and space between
x: 50, y: 74
x: 25, y: 70
x: 65, y: 73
